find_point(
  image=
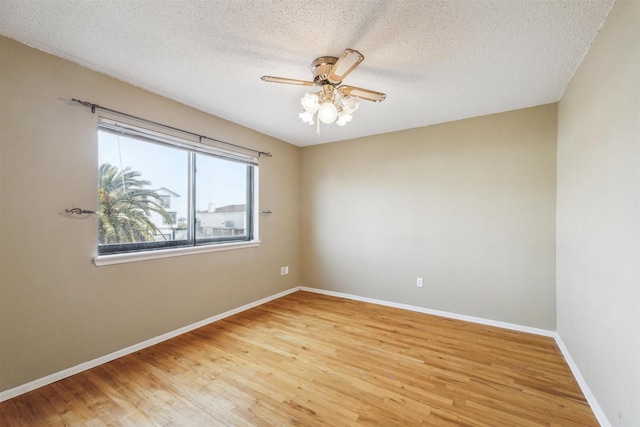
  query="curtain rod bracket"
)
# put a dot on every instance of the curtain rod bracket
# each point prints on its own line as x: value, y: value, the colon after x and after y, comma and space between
x: 87, y: 104
x: 79, y: 211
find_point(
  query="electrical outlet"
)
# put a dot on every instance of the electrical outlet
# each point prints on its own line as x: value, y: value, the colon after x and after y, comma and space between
x: 419, y: 282
x: 284, y: 270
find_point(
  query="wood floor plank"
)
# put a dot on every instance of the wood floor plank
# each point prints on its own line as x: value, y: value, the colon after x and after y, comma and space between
x: 314, y: 360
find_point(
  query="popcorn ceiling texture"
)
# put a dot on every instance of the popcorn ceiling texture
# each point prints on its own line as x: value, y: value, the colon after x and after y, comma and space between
x: 437, y: 61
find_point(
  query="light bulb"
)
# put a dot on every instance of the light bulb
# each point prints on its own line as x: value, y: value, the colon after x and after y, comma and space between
x: 328, y: 113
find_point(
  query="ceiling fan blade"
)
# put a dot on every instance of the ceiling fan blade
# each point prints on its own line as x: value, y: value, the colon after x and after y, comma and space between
x: 285, y: 80
x: 349, y: 60
x: 367, y: 94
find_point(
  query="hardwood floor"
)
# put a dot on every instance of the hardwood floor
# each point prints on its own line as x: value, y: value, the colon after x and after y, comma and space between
x: 314, y: 360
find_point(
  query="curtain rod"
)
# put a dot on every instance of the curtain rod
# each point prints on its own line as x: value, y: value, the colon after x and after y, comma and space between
x: 95, y: 107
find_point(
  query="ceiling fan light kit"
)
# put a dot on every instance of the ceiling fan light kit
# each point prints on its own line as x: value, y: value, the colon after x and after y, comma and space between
x: 334, y: 103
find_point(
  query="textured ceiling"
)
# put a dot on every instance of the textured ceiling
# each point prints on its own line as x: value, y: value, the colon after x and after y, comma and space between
x: 437, y: 61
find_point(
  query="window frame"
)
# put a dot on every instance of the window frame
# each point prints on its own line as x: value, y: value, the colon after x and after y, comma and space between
x: 131, y: 252
x: 166, y: 201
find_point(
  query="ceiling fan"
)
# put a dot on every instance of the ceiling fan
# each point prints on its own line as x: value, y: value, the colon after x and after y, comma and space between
x: 335, y: 102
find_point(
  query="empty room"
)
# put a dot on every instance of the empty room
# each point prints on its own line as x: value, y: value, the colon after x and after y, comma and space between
x: 341, y: 213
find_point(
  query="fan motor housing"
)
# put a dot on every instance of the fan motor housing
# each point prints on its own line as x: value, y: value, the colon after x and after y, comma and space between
x: 321, y: 67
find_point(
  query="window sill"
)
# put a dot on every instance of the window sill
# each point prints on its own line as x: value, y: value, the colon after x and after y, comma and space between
x: 101, y: 260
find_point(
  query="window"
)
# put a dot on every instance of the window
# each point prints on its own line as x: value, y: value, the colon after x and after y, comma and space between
x: 165, y: 201
x: 170, y: 218
x: 143, y: 173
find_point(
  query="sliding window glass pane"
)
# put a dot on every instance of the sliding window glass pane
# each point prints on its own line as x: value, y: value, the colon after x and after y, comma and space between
x: 222, y: 200
x: 143, y: 195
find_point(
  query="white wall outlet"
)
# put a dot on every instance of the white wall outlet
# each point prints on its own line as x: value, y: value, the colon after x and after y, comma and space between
x: 419, y: 282
x: 284, y: 270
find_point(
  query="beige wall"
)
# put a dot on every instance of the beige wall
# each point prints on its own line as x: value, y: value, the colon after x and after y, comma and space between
x: 56, y: 308
x: 598, y: 218
x: 467, y: 205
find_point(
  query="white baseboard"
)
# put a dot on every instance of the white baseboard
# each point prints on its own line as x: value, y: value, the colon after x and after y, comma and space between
x: 40, y: 382
x: 488, y: 322
x: 595, y: 407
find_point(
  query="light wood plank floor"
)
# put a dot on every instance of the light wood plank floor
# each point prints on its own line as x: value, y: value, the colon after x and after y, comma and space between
x: 313, y: 360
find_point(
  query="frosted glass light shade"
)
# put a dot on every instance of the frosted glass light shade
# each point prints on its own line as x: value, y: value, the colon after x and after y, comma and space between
x: 350, y: 104
x: 343, y: 118
x: 310, y: 103
x: 307, y: 117
x: 328, y: 113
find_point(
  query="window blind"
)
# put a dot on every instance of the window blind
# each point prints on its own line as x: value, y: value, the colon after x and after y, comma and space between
x: 185, y: 142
